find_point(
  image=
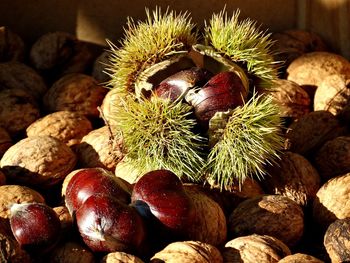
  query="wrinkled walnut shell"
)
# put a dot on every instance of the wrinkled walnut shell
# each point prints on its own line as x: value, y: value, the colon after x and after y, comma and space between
x: 58, y: 53
x: 293, y: 100
x: 188, y: 252
x: 67, y: 126
x: 11, y: 45
x: 209, y: 224
x: 255, y: 248
x: 98, y: 149
x: 331, y: 202
x: 306, y: 135
x: 5, y: 141
x: 310, y: 69
x: 333, y: 158
x: 120, y: 257
x: 337, y: 240
x: 294, y: 177
x: 75, y: 92
x: 300, y: 257
x: 41, y: 161
x: 65, y: 218
x: 71, y: 252
x: 272, y: 215
x: 18, y: 110
x: 18, y: 75
x: 333, y: 94
x: 16, y: 194
x: 108, y: 105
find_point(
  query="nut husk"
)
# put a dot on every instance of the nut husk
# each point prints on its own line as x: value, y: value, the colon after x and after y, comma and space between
x: 255, y: 248
x: 42, y: 161
x: 294, y: 177
x: 306, y: 135
x: 120, y: 257
x: 300, y: 257
x: 99, y: 68
x: 188, y: 252
x: 331, y: 202
x: 272, y: 215
x: 75, y: 92
x: 337, y: 240
x: 333, y: 158
x: 99, y: 149
x: 67, y: 126
x: 16, y: 194
x: 209, y: 224
x: 12, y: 46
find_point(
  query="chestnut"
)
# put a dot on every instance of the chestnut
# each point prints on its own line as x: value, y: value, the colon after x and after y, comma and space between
x: 92, y: 181
x: 35, y: 226
x: 179, y: 83
x: 159, y: 197
x: 107, y: 225
x: 224, y: 91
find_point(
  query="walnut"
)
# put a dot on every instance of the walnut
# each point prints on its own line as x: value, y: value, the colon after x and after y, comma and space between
x: 99, y: 149
x: 58, y: 53
x: 333, y: 158
x: 10, y: 250
x: 120, y: 257
x: 209, y: 225
x: 293, y: 100
x: 333, y: 94
x: 5, y: 141
x: 65, y: 218
x: 71, y: 252
x: 310, y: 69
x: 188, y: 252
x: 255, y: 248
x: 75, y: 92
x: 306, y: 135
x: 272, y: 215
x: 16, y: 194
x: 18, y: 110
x: 300, y: 257
x: 108, y: 105
x: 41, y: 161
x: 294, y: 177
x: 67, y: 126
x: 292, y: 43
x: 337, y: 240
x: 332, y: 201
x: 100, y: 67
x: 18, y: 75
x: 11, y: 45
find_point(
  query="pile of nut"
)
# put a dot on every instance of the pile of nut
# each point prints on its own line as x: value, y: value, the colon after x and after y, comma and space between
x: 59, y: 162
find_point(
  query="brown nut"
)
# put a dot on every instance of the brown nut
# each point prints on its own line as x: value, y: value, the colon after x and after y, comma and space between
x: 65, y: 218
x: 41, y: 161
x: 333, y: 94
x: 300, y: 257
x: 75, y: 92
x: 99, y: 149
x: 306, y: 135
x: 337, y: 240
x: 5, y: 141
x: 293, y: 100
x: 11, y: 45
x: 209, y: 224
x: 67, y: 126
x: 255, y: 248
x: 272, y: 215
x: 18, y: 110
x: 333, y: 158
x: 16, y: 194
x: 120, y: 257
x: 188, y: 252
x: 58, y: 53
x: 331, y: 202
x: 310, y: 69
x: 16, y: 75
x: 71, y: 252
x: 294, y: 177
